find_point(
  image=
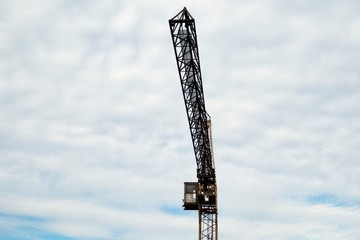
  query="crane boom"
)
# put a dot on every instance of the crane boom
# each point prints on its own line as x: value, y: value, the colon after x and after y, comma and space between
x: 201, y: 196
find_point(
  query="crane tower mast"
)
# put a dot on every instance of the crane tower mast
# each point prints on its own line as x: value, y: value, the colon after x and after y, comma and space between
x: 200, y: 195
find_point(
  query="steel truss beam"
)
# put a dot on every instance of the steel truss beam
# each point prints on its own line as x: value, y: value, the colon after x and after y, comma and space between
x: 184, y: 38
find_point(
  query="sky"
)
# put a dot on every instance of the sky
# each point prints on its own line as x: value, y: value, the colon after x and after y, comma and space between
x: 94, y: 141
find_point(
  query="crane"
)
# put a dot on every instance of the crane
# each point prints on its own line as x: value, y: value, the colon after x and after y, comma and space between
x: 200, y: 195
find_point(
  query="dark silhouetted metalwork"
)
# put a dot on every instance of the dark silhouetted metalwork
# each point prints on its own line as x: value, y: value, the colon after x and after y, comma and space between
x: 184, y: 38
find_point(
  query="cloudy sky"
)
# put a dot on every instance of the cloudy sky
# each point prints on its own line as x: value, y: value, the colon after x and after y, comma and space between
x: 94, y: 142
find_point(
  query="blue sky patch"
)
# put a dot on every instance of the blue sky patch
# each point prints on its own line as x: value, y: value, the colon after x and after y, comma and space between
x: 174, y: 210
x: 333, y: 200
x: 27, y: 227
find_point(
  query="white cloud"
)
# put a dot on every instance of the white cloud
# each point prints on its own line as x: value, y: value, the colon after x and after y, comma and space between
x: 94, y: 139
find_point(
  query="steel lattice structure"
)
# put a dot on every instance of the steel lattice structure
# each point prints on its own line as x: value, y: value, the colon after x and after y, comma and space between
x: 183, y: 33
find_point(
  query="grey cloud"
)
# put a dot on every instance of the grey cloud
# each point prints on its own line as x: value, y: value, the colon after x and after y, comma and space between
x: 94, y: 138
